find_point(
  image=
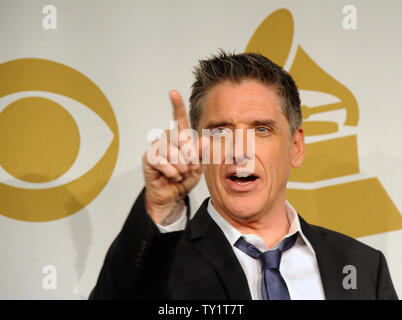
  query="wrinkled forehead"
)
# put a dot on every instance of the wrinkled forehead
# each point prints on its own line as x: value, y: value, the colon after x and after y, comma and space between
x: 244, y: 102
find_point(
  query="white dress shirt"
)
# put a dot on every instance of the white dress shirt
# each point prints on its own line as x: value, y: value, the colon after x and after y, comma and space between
x: 298, y: 266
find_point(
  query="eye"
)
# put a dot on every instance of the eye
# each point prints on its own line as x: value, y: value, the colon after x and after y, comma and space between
x: 86, y: 137
x: 220, y: 132
x: 49, y: 140
x: 263, y: 130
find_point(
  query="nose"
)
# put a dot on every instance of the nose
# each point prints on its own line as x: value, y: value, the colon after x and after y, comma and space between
x: 244, y: 146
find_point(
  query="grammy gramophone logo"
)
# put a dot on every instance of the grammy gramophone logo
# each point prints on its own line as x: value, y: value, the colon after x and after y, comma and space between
x: 329, y: 189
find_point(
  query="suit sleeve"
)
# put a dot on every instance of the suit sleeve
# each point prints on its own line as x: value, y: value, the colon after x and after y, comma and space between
x: 385, y: 288
x: 137, y: 263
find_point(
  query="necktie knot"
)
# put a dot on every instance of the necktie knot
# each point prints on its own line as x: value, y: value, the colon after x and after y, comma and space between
x: 273, y: 285
x: 271, y: 259
x: 267, y: 256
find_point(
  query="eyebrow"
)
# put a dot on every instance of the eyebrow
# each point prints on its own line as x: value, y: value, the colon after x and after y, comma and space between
x: 226, y: 124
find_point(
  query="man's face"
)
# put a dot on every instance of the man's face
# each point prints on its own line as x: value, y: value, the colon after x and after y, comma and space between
x: 250, y: 105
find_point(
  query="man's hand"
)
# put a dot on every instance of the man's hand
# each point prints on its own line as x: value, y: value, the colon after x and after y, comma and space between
x: 177, y: 171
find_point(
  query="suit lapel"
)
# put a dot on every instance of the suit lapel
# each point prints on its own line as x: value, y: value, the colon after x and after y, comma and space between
x: 209, y: 240
x: 328, y: 261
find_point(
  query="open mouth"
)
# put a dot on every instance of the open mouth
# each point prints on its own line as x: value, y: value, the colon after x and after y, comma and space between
x: 243, y: 178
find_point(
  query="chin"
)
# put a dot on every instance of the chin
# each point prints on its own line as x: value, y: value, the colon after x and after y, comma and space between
x: 243, y: 207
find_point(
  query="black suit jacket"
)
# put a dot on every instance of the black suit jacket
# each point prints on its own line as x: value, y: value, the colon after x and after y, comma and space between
x: 199, y: 263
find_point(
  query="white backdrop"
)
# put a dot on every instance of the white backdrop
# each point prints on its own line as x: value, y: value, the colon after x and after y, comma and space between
x: 135, y: 52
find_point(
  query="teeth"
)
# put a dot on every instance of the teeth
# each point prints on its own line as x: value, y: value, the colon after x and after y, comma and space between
x: 243, y: 183
x: 242, y: 175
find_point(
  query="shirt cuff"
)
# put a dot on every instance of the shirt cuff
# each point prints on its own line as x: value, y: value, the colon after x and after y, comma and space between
x: 178, y: 225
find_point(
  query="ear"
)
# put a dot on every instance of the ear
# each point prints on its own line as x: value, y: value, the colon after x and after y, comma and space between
x: 297, y: 148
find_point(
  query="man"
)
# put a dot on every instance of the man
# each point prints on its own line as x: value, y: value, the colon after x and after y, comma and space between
x: 246, y: 241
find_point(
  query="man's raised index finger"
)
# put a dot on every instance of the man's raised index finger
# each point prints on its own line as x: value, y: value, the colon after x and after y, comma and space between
x: 179, y: 111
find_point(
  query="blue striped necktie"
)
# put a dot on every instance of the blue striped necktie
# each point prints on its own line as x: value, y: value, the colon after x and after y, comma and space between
x: 273, y: 285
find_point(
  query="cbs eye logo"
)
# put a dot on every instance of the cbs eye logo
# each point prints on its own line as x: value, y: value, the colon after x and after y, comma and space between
x: 58, y: 140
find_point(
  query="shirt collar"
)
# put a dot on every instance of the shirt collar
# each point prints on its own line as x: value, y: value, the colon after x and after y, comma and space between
x: 232, y: 234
